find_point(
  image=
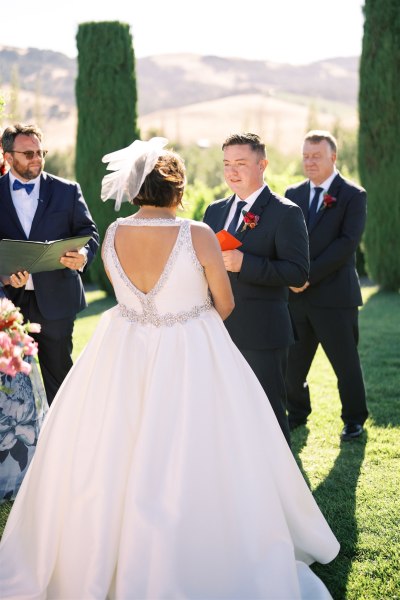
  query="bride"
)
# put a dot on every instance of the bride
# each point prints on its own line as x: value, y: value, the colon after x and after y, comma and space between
x: 161, y: 471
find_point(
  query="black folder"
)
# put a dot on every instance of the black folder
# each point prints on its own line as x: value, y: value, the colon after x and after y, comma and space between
x: 35, y: 257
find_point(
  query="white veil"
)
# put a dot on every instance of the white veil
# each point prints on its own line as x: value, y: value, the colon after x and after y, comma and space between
x: 131, y: 165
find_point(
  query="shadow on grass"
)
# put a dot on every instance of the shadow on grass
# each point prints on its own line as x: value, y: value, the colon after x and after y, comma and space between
x: 336, y: 495
x: 299, y: 439
x: 380, y: 356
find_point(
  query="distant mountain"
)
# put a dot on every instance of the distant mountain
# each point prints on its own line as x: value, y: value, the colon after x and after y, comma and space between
x: 169, y: 81
x: 54, y: 72
x: 180, y: 86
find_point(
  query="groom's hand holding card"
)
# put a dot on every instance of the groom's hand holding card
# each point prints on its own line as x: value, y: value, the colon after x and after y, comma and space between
x: 229, y: 244
x: 227, y: 241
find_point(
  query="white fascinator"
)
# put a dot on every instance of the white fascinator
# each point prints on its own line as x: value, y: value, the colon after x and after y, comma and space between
x: 131, y: 166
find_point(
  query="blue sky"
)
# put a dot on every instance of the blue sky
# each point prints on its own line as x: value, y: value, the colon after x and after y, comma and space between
x: 293, y: 31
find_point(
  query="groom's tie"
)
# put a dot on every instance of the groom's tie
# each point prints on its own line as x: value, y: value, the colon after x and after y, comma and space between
x: 312, y: 212
x: 28, y: 187
x: 234, y: 223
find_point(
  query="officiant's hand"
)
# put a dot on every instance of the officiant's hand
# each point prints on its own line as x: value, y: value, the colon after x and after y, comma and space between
x: 74, y: 260
x: 233, y: 260
x: 18, y: 280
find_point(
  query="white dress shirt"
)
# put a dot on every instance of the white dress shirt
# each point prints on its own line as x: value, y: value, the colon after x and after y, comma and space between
x: 325, y: 185
x: 25, y: 204
x: 249, y: 203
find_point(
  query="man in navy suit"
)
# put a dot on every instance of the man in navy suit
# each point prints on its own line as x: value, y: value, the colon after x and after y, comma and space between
x: 37, y: 206
x: 325, y: 308
x: 273, y: 256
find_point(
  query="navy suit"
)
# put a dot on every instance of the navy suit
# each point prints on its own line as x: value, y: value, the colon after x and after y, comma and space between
x: 275, y: 257
x: 327, y: 311
x: 58, y: 295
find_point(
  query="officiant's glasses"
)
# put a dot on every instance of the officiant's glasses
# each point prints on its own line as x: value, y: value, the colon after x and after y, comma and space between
x: 29, y: 154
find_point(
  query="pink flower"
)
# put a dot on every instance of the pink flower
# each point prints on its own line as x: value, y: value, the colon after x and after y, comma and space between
x: 33, y: 327
x: 24, y: 367
x: 30, y: 346
x: 15, y: 365
x: 5, y: 343
x: 15, y: 343
x: 9, y: 314
x: 4, y: 364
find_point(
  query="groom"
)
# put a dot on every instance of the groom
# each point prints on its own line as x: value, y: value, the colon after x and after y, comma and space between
x: 273, y: 256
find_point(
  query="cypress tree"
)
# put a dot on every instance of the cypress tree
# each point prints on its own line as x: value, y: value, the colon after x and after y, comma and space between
x: 107, y: 116
x: 379, y: 139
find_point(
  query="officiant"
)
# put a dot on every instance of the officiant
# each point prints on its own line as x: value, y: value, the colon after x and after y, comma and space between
x: 38, y: 206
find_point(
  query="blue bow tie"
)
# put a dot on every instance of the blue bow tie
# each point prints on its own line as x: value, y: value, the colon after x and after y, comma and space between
x: 28, y: 187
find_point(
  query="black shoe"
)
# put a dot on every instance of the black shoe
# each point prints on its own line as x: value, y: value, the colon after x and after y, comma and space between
x: 294, y: 423
x: 351, y: 431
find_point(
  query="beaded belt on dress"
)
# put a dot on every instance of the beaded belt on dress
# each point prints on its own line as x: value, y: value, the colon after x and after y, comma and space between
x: 150, y: 316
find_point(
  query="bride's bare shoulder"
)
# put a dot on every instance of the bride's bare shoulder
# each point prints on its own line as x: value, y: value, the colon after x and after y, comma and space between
x: 203, y: 236
x: 201, y: 229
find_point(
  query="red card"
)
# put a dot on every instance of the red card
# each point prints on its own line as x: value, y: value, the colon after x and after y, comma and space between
x: 227, y: 241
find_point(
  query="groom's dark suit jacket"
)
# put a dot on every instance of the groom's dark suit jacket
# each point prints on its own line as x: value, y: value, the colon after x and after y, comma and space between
x: 275, y: 257
x: 334, y: 238
x: 61, y: 213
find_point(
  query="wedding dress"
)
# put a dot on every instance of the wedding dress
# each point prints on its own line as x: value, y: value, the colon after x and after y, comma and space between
x: 161, y: 471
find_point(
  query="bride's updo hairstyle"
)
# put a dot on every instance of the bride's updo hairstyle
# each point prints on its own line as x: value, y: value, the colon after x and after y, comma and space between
x: 144, y: 174
x: 165, y: 184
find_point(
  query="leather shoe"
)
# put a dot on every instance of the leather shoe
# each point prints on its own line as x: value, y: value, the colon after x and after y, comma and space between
x: 293, y: 423
x: 351, y: 431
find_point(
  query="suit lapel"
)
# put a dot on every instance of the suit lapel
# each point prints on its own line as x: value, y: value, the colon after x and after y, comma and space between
x: 7, y: 205
x: 222, y: 214
x: 335, y: 185
x: 44, y: 197
x: 332, y: 191
x: 303, y: 199
x: 258, y: 208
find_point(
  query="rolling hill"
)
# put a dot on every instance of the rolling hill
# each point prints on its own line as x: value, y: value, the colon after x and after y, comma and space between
x: 190, y: 98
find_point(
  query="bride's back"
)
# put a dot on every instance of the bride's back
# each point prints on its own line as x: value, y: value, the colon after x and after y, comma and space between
x: 157, y: 269
x: 176, y: 288
x: 143, y: 253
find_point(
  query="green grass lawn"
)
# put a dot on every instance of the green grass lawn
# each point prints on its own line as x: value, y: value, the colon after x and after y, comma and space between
x: 356, y: 484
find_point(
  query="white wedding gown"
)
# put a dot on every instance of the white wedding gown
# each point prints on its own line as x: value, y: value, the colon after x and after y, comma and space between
x: 161, y: 471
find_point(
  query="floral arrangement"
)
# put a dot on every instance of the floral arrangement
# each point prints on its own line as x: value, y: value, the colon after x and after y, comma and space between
x: 249, y: 220
x: 15, y: 341
x: 329, y: 201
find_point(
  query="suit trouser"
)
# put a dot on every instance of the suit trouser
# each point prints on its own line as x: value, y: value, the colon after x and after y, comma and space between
x: 336, y: 329
x: 269, y: 367
x: 54, y: 344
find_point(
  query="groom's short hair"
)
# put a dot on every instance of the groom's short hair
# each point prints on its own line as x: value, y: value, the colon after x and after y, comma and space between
x: 246, y: 139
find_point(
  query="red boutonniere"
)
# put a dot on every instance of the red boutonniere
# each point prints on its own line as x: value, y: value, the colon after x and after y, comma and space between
x: 249, y: 220
x: 328, y: 201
